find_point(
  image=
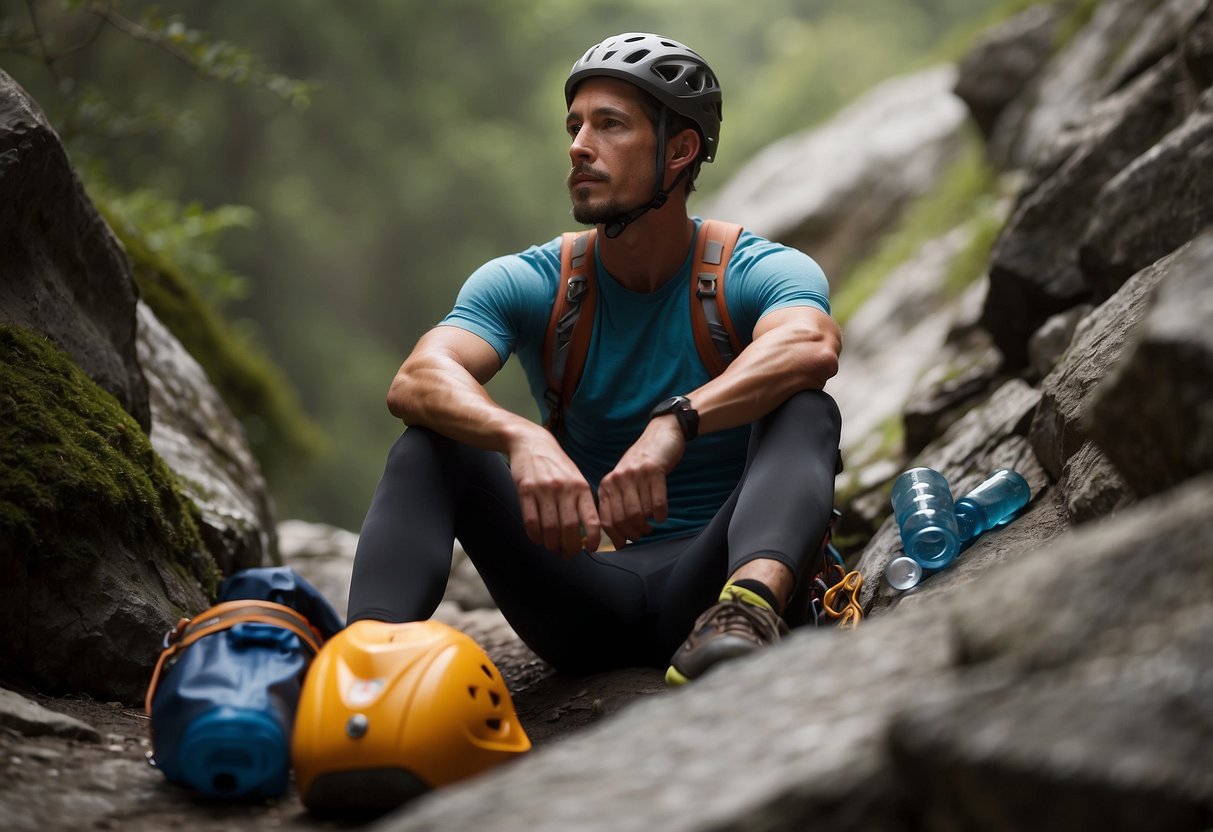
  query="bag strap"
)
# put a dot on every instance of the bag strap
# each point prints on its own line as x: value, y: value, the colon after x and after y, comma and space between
x: 222, y: 617
x: 570, y: 324
x: 715, y: 337
x: 572, y: 320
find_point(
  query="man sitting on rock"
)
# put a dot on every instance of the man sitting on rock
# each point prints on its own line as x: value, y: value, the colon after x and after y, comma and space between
x: 699, y: 481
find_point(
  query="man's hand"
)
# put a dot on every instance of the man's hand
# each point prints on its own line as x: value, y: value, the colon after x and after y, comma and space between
x: 556, y: 501
x: 634, y: 492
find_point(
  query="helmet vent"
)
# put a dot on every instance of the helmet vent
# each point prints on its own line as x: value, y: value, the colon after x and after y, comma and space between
x: 473, y: 690
x: 486, y: 670
x: 636, y: 56
x: 669, y: 72
x: 609, y: 55
x: 494, y: 724
x: 496, y: 697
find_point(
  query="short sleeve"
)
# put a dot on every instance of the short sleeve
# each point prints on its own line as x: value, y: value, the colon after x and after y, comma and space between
x: 766, y: 276
x: 507, y: 300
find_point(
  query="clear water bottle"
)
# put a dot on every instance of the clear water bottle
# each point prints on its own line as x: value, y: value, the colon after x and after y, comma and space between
x: 922, y: 504
x: 993, y: 503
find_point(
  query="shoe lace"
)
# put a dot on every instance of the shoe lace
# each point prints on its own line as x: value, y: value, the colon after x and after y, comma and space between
x: 745, y: 619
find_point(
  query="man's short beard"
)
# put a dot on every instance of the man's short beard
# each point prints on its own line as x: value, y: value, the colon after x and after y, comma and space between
x: 593, y: 213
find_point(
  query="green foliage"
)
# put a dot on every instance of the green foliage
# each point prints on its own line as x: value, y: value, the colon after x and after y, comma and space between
x: 73, y: 464
x: 55, y: 33
x: 966, y: 193
x: 162, y: 239
x: 185, y: 235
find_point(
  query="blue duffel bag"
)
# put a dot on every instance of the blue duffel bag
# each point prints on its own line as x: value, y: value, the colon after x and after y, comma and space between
x: 223, y: 696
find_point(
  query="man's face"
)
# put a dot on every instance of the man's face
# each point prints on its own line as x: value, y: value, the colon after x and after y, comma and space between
x: 612, y: 151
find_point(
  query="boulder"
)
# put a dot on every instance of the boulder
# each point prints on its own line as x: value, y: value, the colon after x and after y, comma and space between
x: 1002, y: 63
x: 891, y: 340
x: 1108, y: 51
x: 1058, y: 429
x: 100, y: 551
x: 1034, y: 270
x: 1134, y: 227
x: 962, y: 374
x: 32, y: 720
x: 832, y: 191
x: 1049, y: 343
x: 204, y: 444
x: 1153, y: 416
x: 62, y: 271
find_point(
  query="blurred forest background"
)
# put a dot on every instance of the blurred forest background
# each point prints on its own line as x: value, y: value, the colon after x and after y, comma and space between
x: 321, y: 177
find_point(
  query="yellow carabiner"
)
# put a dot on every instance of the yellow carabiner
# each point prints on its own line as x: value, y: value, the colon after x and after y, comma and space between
x: 850, y: 613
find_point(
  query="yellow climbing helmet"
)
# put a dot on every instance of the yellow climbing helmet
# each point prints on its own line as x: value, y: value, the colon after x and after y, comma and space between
x: 389, y: 711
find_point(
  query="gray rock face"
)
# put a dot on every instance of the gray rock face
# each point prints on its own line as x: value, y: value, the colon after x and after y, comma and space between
x: 1115, y: 120
x: 33, y: 720
x: 96, y: 627
x: 1133, y: 227
x: 891, y: 341
x: 1153, y: 417
x: 833, y: 190
x: 62, y: 272
x: 1058, y: 429
x: 1002, y: 64
x: 1102, y: 56
x: 1035, y: 271
x: 219, y: 474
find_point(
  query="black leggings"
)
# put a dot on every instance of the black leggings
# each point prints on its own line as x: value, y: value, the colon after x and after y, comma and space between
x: 599, y: 610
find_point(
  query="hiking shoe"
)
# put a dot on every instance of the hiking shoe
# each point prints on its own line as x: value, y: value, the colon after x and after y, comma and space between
x: 740, y: 623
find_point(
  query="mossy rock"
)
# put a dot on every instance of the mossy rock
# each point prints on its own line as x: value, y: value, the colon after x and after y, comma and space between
x: 100, y: 550
x: 72, y: 460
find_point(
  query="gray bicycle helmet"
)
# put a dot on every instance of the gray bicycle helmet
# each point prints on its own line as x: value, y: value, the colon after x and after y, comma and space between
x: 672, y: 73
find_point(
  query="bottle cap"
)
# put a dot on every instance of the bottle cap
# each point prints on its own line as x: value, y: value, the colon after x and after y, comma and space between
x: 903, y: 573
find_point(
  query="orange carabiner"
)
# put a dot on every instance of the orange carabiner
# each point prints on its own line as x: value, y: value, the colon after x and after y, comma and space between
x: 850, y: 613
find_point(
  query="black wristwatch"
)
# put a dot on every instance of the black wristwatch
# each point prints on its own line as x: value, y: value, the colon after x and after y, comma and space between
x: 684, y: 412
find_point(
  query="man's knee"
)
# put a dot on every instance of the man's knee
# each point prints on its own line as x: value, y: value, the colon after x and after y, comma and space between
x: 812, y: 411
x: 816, y: 404
x: 422, y: 449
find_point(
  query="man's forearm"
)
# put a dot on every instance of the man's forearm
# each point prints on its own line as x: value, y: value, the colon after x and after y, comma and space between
x: 441, y: 395
x: 782, y: 361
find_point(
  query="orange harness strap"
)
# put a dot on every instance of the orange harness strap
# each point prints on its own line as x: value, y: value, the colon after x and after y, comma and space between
x: 572, y: 320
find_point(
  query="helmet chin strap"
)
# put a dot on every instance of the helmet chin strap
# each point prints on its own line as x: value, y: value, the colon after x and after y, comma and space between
x: 615, y: 227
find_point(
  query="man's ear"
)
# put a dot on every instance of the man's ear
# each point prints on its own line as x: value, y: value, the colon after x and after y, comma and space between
x: 683, y: 149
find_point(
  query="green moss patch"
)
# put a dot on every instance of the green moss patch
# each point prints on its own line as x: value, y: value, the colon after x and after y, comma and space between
x: 75, y: 465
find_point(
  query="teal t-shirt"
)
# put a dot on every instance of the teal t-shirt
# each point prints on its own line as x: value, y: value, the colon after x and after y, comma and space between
x: 642, y: 351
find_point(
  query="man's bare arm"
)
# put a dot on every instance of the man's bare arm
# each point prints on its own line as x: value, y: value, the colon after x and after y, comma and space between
x: 440, y: 386
x: 794, y: 349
